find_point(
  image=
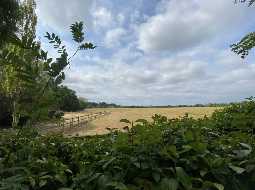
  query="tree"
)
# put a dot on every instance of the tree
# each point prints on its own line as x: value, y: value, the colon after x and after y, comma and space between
x: 21, y: 72
x: 28, y: 76
x: 244, y: 46
x: 67, y: 99
x: 9, y: 16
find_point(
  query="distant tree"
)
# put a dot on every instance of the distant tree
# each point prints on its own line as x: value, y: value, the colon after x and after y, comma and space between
x: 83, y: 103
x: 67, y: 99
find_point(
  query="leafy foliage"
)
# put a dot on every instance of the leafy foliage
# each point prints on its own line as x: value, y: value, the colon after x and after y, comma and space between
x: 250, y: 2
x: 67, y: 99
x: 246, y: 43
x: 76, y: 29
x: 9, y: 16
x: 179, y: 154
x: 28, y: 77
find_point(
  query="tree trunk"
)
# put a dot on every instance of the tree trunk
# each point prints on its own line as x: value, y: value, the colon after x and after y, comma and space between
x: 15, y: 115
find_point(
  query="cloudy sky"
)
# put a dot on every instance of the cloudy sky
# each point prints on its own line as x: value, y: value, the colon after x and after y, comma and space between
x: 155, y: 52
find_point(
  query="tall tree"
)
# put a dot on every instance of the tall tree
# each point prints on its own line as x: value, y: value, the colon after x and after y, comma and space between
x: 67, y: 99
x: 28, y: 75
x: 28, y: 20
x: 9, y: 16
x: 22, y: 69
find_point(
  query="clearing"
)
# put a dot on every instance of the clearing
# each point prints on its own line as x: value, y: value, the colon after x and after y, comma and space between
x: 112, y: 120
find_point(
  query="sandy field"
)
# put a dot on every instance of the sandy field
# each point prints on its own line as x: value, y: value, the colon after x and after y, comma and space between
x: 112, y: 120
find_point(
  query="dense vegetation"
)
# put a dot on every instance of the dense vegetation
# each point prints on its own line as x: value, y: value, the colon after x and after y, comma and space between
x: 211, y: 154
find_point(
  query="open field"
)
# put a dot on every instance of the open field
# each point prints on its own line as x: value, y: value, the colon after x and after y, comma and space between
x: 112, y: 120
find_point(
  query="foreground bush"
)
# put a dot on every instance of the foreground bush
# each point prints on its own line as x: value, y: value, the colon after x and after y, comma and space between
x: 165, y: 154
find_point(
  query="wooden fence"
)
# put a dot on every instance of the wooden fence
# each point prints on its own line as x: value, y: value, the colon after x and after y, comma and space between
x: 73, y: 122
x: 80, y: 120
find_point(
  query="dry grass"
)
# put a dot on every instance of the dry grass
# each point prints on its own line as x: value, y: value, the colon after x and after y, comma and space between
x: 112, y: 120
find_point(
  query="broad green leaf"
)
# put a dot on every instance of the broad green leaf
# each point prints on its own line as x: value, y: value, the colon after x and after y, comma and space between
x: 42, y: 183
x: 156, y: 176
x: 241, y: 153
x: 117, y: 185
x: 236, y: 169
x: 108, y: 163
x: 203, y: 173
x: 219, y: 186
x: 125, y: 121
x: 246, y: 146
x: 95, y: 176
x: 183, y: 178
x: 169, y: 184
x: 144, y: 121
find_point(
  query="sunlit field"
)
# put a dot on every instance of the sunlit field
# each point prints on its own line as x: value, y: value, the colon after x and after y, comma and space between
x: 98, y: 126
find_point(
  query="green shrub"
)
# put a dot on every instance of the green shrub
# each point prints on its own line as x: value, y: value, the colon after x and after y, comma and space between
x: 178, y: 154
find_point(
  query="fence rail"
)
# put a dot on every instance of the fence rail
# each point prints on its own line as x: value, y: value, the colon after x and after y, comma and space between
x: 76, y: 121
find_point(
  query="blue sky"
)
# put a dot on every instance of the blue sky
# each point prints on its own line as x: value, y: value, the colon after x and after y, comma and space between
x: 155, y: 52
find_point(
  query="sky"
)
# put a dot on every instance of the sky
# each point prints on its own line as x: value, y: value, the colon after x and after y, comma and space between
x: 154, y: 52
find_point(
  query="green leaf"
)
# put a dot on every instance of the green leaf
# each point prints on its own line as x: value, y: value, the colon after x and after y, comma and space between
x: 125, y: 121
x: 42, y: 183
x: 144, y: 121
x: 156, y: 176
x: 210, y: 185
x: 102, y: 181
x: 199, y: 147
x: 203, y: 173
x: 87, y: 46
x: 95, y: 176
x: 241, y: 153
x: 108, y: 163
x: 236, y: 169
x: 117, y: 185
x: 183, y: 178
x: 77, y: 31
x: 189, y: 135
x: 246, y: 146
x: 169, y: 184
x: 218, y: 186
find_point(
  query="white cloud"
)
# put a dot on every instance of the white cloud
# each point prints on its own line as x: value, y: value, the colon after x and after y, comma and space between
x: 184, y: 24
x: 102, y: 17
x: 191, y: 70
x: 152, y: 79
x: 59, y: 14
x: 113, y: 37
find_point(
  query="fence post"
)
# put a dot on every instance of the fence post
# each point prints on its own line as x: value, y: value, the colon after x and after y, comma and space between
x: 78, y: 121
x: 63, y: 125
